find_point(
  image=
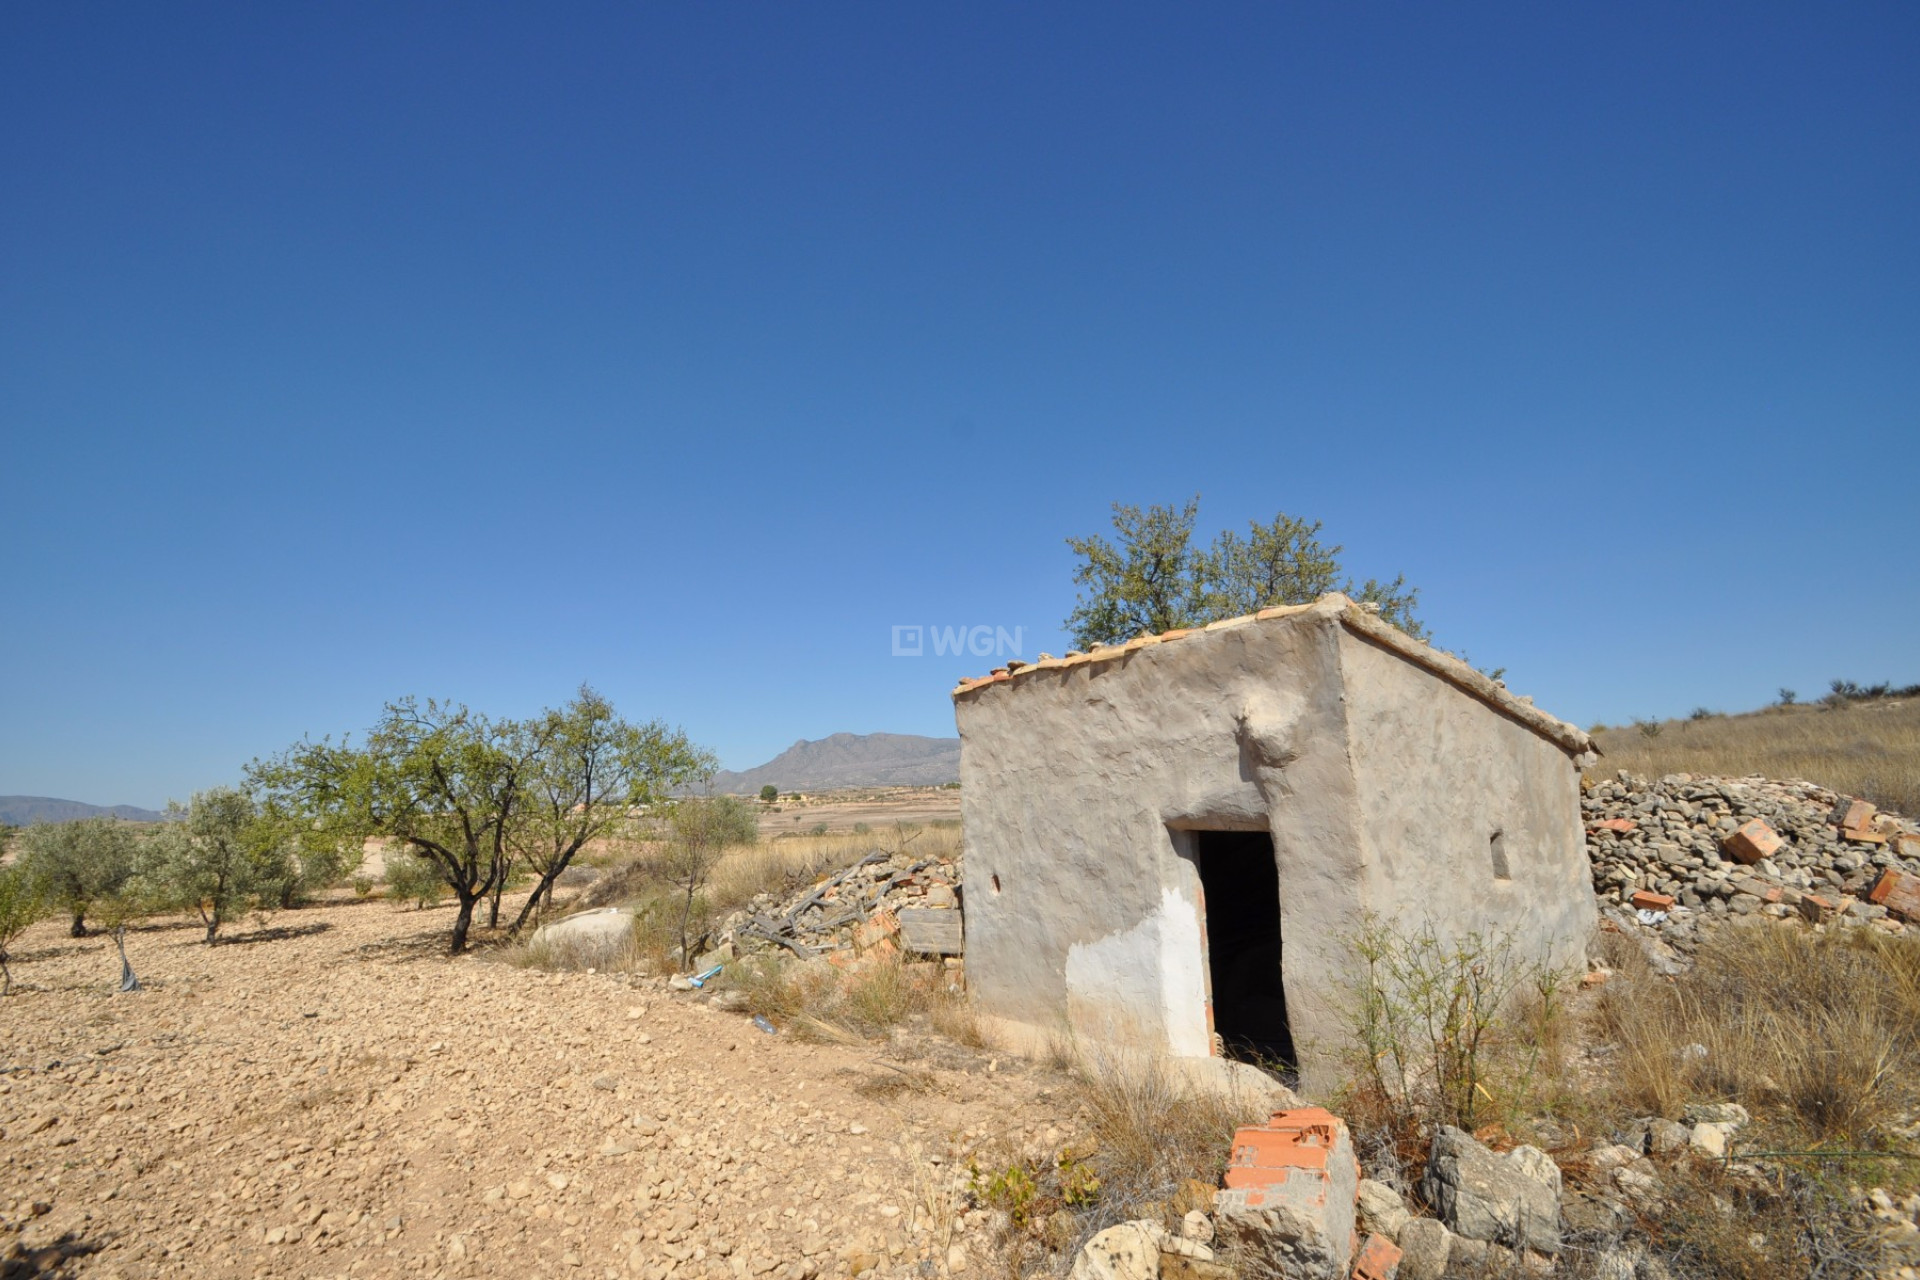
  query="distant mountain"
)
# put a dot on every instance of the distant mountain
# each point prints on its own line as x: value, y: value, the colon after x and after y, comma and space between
x: 851, y: 760
x: 21, y: 811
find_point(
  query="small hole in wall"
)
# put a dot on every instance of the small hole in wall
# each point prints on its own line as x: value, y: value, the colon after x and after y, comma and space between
x: 1497, y: 846
x: 995, y: 882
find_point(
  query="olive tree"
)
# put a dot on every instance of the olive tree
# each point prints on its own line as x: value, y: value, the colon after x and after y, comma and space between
x: 589, y: 770
x: 20, y: 905
x: 221, y: 856
x: 79, y: 863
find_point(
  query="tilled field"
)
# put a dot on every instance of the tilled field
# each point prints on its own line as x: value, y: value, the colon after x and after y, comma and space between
x: 327, y: 1094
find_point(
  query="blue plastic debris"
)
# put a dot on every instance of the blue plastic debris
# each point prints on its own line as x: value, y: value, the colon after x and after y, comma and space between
x: 702, y: 979
x: 760, y: 1021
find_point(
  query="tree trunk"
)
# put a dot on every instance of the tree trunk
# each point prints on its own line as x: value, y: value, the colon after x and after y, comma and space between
x: 213, y: 926
x: 545, y: 886
x: 493, y: 907
x: 79, y: 924
x: 462, y: 923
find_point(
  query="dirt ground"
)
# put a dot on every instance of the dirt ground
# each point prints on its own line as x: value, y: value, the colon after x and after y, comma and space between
x: 327, y: 1094
x: 878, y: 807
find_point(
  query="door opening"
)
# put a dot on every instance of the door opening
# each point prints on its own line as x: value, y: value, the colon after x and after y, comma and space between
x: 1241, y: 884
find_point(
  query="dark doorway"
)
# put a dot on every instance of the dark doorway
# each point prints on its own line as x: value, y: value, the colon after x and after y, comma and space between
x: 1241, y: 882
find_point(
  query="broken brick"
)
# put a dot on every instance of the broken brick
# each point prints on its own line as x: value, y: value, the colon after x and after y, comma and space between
x: 1899, y: 893
x: 880, y: 927
x: 1751, y: 842
x: 1851, y: 814
x: 1862, y: 835
x: 1294, y: 1180
x: 1378, y: 1259
x: 1647, y: 900
x: 1620, y: 826
x: 1906, y: 845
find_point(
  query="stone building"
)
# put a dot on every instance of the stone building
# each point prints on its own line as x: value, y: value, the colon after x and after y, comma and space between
x: 1170, y: 842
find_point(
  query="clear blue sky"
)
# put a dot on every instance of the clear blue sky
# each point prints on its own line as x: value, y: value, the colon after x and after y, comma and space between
x: 477, y: 351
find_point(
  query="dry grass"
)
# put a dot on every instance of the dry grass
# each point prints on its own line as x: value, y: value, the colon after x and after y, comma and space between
x: 1868, y: 749
x: 822, y: 1002
x: 1818, y: 1035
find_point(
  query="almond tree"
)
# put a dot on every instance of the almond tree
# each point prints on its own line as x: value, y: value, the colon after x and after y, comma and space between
x: 442, y: 781
x: 1154, y: 579
x: 592, y: 771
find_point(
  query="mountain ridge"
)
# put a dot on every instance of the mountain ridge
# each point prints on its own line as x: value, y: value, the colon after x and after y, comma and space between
x: 22, y: 811
x: 850, y: 760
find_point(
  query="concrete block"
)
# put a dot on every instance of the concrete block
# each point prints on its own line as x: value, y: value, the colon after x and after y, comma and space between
x: 1291, y: 1194
x: 1752, y: 841
x: 1378, y: 1259
x: 1899, y: 893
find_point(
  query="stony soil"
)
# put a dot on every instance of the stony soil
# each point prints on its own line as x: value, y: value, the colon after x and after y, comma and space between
x: 326, y: 1094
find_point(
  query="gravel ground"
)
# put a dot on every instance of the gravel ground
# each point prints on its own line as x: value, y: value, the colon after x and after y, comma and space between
x: 326, y: 1094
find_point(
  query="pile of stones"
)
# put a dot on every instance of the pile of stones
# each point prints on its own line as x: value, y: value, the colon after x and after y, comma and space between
x: 850, y: 912
x: 1679, y: 851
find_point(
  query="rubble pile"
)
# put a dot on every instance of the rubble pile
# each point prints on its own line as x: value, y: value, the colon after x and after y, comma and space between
x: 852, y: 912
x: 1681, y: 850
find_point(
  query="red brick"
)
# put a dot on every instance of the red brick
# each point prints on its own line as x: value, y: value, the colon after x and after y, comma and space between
x: 1899, y: 893
x: 880, y: 927
x: 1647, y: 900
x: 1865, y: 835
x: 1753, y: 841
x: 1620, y: 825
x: 1378, y: 1259
x: 1851, y: 814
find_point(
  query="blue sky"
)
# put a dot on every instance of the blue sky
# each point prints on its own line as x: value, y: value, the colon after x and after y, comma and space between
x: 478, y: 351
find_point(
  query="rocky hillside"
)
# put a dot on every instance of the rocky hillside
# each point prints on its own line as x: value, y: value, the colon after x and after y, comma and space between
x: 851, y: 760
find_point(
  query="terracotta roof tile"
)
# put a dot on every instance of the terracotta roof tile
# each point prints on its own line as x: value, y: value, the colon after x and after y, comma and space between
x: 1361, y: 620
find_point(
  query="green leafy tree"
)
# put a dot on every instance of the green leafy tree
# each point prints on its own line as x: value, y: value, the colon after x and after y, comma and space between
x: 769, y: 793
x: 21, y: 904
x: 219, y: 857
x: 1150, y: 580
x: 443, y: 782
x: 588, y: 771
x: 79, y: 863
x: 1153, y: 579
x: 700, y: 830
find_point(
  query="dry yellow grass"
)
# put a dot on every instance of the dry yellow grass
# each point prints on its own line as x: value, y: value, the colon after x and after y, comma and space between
x: 1819, y: 1035
x: 1866, y: 749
